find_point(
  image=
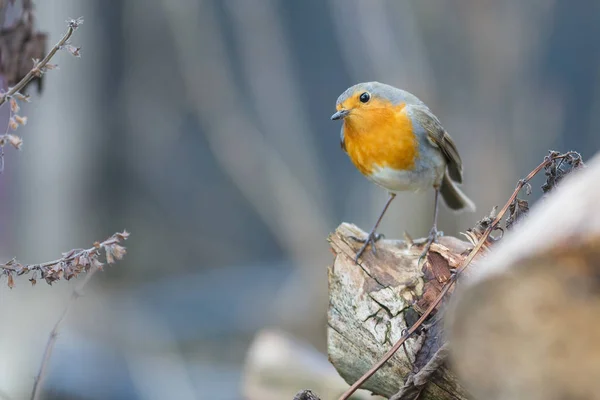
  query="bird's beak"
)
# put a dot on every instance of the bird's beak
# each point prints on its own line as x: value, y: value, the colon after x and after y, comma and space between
x: 340, y: 114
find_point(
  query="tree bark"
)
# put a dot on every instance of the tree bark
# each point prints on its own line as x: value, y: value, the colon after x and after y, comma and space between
x: 372, y: 303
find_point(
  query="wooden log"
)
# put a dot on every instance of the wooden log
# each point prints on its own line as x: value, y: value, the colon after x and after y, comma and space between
x: 526, y: 322
x: 372, y: 303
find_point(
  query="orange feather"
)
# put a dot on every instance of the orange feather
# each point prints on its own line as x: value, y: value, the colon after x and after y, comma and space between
x: 379, y: 134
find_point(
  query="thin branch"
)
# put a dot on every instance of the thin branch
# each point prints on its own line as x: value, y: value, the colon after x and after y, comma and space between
x: 77, y: 292
x: 39, y: 67
x: 73, y: 260
x: 71, y: 264
x: 547, y: 161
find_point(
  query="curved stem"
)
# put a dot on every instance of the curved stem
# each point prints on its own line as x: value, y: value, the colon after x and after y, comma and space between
x: 547, y: 161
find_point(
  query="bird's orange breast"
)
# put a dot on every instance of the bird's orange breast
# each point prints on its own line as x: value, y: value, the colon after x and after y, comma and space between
x: 380, y: 136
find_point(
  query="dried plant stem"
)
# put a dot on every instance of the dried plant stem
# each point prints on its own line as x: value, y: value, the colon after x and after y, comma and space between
x: 37, y: 68
x: 72, y: 257
x: 547, y: 161
x: 71, y: 264
x: 48, y: 264
x: 77, y: 292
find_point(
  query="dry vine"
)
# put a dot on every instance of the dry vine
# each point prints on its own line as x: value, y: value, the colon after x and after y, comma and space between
x: 557, y: 166
x: 549, y: 162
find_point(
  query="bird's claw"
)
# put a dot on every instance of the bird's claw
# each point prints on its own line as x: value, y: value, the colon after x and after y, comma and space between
x: 372, y: 238
x: 433, y: 235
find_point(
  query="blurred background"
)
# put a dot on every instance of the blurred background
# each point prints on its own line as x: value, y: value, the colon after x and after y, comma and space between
x: 202, y: 127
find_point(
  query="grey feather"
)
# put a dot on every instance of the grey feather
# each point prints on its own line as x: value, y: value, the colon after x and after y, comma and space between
x: 421, y: 114
x: 342, y: 139
x: 381, y: 90
x: 439, y: 137
x: 454, y: 198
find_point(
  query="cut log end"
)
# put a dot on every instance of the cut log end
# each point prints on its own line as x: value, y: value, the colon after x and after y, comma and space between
x: 373, y: 302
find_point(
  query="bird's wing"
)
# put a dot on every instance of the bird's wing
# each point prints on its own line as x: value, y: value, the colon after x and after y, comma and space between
x: 438, y: 136
x: 342, y: 141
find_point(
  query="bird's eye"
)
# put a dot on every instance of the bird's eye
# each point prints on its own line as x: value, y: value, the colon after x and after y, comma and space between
x: 365, y: 97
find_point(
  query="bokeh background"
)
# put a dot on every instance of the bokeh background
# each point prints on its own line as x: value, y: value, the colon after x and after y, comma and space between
x: 202, y: 127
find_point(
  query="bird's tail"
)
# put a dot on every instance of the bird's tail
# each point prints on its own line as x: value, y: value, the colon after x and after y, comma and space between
x: 454, y: 197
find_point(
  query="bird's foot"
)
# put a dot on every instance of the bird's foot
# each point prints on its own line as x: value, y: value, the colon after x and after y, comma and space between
x: 433, y: 235
x: 371, y: 239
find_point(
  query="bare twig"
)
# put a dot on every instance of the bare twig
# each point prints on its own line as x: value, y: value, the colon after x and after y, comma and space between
x: 71, y: 264
x: 548, y: 160
x: 13, y: 94
x: 39, y: 67
x: 39, y: 379
x: 74, y: 259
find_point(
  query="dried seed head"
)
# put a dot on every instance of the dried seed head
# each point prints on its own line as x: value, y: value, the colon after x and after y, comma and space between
x: 14, y: 106
x: 22, y: 97
x: 97, y: 264
x: 21, y: 120
x: 118, y: 251
x: 76, y: 51
x: 74, y: 23
x: 15, y: 141
x: 122, y: 235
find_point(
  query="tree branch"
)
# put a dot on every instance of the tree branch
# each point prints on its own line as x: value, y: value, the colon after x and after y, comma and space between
x: 39, y: 67
x: 71, y: 264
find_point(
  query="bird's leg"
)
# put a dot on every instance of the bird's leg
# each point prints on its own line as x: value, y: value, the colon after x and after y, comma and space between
x: 433, y: 233
x: 373, y: 237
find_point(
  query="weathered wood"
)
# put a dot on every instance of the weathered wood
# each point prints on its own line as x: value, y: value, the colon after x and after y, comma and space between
x: 372, y: 303
x: 526, y: 322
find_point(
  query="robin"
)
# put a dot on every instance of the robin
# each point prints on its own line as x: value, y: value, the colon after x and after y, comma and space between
x: 394, y: 139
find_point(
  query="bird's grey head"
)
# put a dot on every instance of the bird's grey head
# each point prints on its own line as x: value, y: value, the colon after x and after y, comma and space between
x: 366, y: 91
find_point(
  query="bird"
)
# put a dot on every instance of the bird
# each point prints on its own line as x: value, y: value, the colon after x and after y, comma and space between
x: 397, y: 142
